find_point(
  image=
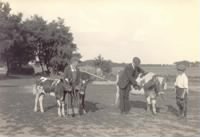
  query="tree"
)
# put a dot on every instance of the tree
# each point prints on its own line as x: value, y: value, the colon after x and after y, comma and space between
x: 53, y: 41
x: 15, y: 50
x: 23, y: 41
x: 62, y: 58
x: 104, y: 65
x: 98, y: 61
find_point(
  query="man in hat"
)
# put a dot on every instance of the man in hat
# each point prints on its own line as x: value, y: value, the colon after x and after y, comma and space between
x: 72, y: 75
x: 126, y: 79
x: 181, y: 88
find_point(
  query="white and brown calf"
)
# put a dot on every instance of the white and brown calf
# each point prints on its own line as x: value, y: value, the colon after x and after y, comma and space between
x: 53, y: 87
x: 152, y: 86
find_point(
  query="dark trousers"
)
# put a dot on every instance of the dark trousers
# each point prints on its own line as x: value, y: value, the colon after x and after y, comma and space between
x: 124, y: 100
x: 70, y: 107
x: 181, y: 101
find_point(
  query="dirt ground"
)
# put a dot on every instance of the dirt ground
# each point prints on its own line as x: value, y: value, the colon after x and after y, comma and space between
x: 103, y: 118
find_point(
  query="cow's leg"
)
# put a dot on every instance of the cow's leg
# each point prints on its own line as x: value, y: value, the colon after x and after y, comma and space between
x: 63, y: 108
x: 59, y: 108
x: 148, y: 103
x: 79, y: 102
x: 41, y: 98
x: 117, y: 95
x: 68, y: 103
x: 36, y: 102
x: 83, y: 103
x: 154, y: 105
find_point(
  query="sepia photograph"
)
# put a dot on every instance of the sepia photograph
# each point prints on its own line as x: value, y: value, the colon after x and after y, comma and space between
x: 101, y: 68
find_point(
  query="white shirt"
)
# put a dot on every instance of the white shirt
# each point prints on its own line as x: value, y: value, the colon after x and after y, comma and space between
x: 133, y: 65
x: 182, y: 81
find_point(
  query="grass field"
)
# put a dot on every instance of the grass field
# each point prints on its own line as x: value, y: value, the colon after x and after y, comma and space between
x: 103, y: 119
x: 166, y: 70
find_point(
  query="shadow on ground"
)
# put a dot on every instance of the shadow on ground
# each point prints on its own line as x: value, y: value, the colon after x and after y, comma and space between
x: 142, y: 105
x: 172, y: 110
x: 138, y: 104
x: 90, y: 107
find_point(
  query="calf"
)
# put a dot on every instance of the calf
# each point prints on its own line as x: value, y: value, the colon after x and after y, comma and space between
x: 152, y: 85
x: 53, y: 87
x: 84, y: 81
x: 82, y: 93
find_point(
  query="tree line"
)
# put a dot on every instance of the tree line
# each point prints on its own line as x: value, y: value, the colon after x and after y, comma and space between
x: 188, y: 63
x: 22, y: 41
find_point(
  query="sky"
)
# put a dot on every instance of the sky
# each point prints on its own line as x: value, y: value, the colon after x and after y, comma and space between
x: 157, y: 31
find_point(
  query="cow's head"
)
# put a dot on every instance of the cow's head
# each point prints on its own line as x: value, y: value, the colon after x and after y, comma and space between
x: 140, y: 81
x: 82, y: 85
x: 142, y: 78
x: 163, y: 83
x: 66, y: 84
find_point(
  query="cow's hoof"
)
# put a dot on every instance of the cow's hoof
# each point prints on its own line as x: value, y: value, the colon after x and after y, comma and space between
x: 35, y: 110
x: 154, y: 113
x: 84, y: 112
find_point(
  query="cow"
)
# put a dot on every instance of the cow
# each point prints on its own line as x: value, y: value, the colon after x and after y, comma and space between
x: 152, y: 86
x: 85, y: 79
x: 76, y: 98
x: 53, y: 87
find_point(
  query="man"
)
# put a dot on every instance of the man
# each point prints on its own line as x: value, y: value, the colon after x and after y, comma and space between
x: 126, y: 79
x: 72, y: 74
x: 181, y: 88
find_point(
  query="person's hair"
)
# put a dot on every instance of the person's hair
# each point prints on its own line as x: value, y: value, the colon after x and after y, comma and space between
x: 136, y: 61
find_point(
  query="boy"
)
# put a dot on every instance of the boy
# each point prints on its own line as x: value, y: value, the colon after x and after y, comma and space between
x: 181, y: 88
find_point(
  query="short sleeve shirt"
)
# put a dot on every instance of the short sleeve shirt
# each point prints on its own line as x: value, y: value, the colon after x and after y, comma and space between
x: 181, y: 81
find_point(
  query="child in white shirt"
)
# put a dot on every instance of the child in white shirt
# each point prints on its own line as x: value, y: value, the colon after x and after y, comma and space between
x: 181, y: 87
